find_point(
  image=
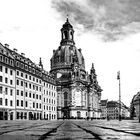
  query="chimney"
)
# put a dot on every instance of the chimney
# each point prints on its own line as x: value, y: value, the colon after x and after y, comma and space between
x: 15, y: 50
x: 23, y: 54
x: 6, y: 45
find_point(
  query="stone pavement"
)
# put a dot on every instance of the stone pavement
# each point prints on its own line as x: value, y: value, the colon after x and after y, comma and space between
x: 70, y: 130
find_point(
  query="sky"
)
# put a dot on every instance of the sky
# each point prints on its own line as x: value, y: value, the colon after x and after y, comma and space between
x: 107, y: 31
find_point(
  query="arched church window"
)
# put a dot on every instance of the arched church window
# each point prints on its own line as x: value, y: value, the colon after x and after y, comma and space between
x: 65, y: 35
x: 71, y: 35
x: 65, y: 99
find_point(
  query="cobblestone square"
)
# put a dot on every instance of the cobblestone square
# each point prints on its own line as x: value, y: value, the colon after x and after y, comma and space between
x: 70, y: 130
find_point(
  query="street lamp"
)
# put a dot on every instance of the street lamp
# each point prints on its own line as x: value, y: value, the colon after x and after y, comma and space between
x: 139, y: 109
x: 118, y: 78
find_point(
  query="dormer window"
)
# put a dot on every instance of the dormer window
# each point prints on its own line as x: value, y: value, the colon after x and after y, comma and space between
x: 17, y: 64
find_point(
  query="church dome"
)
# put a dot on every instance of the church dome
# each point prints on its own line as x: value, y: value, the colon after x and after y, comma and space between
x: 67, y: 54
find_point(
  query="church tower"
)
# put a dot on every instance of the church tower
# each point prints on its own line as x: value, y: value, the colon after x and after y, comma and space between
x: 76, y: 95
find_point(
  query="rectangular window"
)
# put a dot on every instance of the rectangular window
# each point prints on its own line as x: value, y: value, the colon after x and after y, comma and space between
x: 21, y: 93
x: 11, y: 82
x: 33, y: 105
x: 0, y: 89
x: 6, y: 70
x: 6, y: 102
x: 0, y: 78
x: 26, y: 84
x: 21, y: 83
x: 21, y: 74
x: 1, y: 68
x: 26, y: 76
x: 40, y: 97
x: 30, y: 77
x: 30, y: 86
x: 17, y: 72
x: 11, y: 72
x: 17, y: 82
x: 26, y: 94
x: 36, y: 96
x: 6, y: 90
x: 11, y: 103
x: 6, y: 80
x: 17, y: 102
x: 37, y: 88
x: 0, y: 101
x: 21, y: 102
x: 26, y: 104
x: 36, y: 80
x: 17, y: 92
x: 30, y: 95
x: 36, y: 105
x: 11, y: 92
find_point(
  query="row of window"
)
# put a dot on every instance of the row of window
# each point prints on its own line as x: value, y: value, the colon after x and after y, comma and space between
x: 31, y: 86
x: 6, y: 60
x: 49, y: 86
x: 5, y: 102
x: 6, y: 80
x: 50, y: 108
x: 49, y: 93
x: 20, y: 103
x: 30, y: 115
x: 28, y: 68
x: 49, y: 101
x: 6, y: 90
x: 30, y: 95
x: 28, y: 77
x: 6, y: 70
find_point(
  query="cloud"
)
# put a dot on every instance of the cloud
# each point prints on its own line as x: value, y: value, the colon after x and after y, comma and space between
x: 112, y: 19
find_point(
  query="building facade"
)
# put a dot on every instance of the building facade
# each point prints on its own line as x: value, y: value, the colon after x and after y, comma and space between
x: 78, y: 92
x: 135, y: 107
x: 113, y: 110
x: 27, y: 91
x: 104, y: 109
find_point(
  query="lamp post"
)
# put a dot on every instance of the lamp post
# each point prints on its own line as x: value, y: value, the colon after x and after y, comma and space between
x: 139, y: 109
x: 118, y: 78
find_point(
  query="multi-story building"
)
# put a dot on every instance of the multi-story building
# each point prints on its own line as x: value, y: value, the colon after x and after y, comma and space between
x: 104, y: 109
x: 135, y: 106
x: 113, y: 110
x: 24, y: 87
x: 7, y: 84
x: 78, y: 92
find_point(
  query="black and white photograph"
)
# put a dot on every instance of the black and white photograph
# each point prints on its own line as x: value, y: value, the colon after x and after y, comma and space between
x: 70, y: 69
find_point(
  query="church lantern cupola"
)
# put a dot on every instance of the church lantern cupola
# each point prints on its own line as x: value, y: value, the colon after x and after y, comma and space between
x: 67, y: 34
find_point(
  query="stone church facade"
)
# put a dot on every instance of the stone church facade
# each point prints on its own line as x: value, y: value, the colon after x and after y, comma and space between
x: 79, y: 93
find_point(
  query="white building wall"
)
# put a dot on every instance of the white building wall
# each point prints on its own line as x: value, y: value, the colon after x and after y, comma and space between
x: 8, y: 91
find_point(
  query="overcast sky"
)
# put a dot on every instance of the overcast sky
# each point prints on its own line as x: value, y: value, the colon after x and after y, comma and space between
x: 107, y: 31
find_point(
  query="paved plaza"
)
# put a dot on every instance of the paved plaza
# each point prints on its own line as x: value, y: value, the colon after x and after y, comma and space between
x: 70, y: 130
